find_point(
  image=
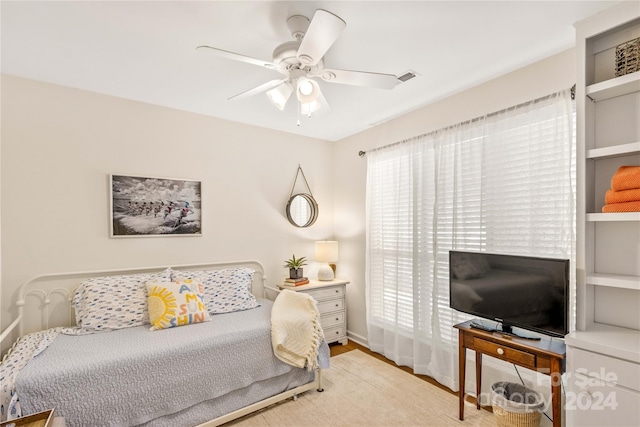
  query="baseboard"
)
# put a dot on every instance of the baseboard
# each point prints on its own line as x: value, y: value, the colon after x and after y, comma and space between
x: 358, y: 339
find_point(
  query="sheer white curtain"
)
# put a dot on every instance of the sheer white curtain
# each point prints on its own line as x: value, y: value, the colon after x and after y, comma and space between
x: 503, y: 183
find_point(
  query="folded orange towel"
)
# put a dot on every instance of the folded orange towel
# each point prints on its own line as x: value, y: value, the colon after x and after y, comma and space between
x: 622, y: 196
x: 626, y: 178
x: 622, y: 207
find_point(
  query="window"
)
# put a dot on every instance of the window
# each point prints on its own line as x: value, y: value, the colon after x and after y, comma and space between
x: 503, y: 183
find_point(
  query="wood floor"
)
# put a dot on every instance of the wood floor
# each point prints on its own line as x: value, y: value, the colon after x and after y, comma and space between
x: 337, y: 348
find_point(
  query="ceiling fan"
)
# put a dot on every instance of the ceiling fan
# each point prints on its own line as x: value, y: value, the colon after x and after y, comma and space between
x: 301, y: 61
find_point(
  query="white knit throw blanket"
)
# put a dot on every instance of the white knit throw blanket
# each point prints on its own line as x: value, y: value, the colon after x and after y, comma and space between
x: 296, y: 332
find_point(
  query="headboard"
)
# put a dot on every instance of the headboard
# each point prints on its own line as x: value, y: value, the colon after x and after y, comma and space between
x: 44, y: 301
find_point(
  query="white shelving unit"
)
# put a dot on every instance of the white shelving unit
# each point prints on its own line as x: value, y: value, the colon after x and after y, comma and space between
x: 614, y: 87
x: 615, y: 151
x: 611, y: 217
x: 607, y: 340
x: 614, y: 281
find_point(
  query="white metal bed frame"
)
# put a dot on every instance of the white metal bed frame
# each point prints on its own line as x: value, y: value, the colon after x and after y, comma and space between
x: 57, y: 290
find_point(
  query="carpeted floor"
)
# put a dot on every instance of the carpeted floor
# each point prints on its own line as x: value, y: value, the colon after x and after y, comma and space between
x: 361, y: 390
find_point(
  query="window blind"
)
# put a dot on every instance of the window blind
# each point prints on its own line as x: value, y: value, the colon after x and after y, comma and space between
x: 504, y: 183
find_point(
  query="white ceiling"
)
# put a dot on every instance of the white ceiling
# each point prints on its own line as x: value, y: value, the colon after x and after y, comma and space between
x: 145, y: 51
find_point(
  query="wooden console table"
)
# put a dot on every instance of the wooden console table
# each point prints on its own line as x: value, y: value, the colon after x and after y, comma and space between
x: 546, y: 356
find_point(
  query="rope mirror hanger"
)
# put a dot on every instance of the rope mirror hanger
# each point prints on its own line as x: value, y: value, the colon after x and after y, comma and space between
x: 302, y: 208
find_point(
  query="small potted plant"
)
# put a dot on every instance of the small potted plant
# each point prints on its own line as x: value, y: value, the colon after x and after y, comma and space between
x: 295, y: 266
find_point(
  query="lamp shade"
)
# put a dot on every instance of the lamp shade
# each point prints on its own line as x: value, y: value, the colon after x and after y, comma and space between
x: 280, y: 95
x: 310, y: 107
x: 327, y: 251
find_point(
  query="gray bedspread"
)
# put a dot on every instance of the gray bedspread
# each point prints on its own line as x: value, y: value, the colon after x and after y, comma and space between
x: 134, y: 376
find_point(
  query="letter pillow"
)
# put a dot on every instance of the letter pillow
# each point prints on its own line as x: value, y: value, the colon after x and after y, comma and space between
x: 173, y: 304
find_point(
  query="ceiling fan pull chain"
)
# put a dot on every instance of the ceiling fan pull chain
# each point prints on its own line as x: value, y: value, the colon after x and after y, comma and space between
x: 298, y: 113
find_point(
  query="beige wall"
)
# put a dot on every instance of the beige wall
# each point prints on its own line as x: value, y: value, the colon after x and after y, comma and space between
x: 539, y: 79
x: 59, y: 146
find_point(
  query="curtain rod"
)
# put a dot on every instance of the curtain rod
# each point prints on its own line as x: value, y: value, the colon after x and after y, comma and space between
x: 362, y: 153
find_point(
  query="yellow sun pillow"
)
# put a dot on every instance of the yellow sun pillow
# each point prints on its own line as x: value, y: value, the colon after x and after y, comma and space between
x: 173, y: 304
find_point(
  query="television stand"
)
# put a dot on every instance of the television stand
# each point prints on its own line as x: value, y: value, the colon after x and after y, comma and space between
x: 544, y: 356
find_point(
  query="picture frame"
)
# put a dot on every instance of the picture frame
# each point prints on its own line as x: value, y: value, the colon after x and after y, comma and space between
x: 152, y: 207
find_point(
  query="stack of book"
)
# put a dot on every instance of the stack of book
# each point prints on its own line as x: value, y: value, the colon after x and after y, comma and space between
x: 292, y: 283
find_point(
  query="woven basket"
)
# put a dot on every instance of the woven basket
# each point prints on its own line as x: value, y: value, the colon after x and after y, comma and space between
x: 628, y: 57
x: 515, y: 405
x: 506, y: 418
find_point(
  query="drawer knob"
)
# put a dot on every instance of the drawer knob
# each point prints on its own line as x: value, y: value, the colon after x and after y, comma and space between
x: 500, y: 351
x: 337, y: 291
x: 337, y: 305
x: 337, y: 332
x: 337, y: 318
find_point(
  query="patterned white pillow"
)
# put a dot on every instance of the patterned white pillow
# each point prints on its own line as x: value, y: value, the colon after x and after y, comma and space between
x: 115, y: 302
x: 225, y: 290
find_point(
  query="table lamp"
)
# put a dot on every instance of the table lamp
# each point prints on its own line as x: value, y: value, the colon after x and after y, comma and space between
x: 327, y: 253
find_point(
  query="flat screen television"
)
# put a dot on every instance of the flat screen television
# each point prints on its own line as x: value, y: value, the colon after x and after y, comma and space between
x: 525, y: 292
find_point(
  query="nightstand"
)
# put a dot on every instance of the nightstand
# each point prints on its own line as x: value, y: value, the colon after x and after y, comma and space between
x: 331, y: 298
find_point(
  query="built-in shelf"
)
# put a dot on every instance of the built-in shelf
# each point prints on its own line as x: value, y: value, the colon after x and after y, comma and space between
x: 618, y: 86
x: 613, y: 216
x: 614, y: 151
x: 607, y: 244
x: 614, y: 281
x: 613, y: 341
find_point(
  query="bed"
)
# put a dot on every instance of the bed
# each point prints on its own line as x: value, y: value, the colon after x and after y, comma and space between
x: 104, y: 366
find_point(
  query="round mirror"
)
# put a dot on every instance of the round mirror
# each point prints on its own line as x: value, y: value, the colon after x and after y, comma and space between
x: 302, y: 210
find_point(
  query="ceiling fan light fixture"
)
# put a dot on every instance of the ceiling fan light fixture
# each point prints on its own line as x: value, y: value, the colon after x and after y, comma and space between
x: 279, y: 95
x: 310, y: 107
x: 307, y: 90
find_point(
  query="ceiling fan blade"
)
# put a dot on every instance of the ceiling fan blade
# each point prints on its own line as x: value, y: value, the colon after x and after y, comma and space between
x: 323, y: 31
x: 239, y: 57
x: 359, y: 78
x: 258, y: 89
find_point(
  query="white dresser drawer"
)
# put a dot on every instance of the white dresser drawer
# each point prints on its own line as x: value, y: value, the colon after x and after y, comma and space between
x: 609, y: 369
x: 329, y: 306
x: 330, y: 297
x: 326, y: 293
x: 330, y: 320
x: 334, y: 333
x: 590, y: 402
